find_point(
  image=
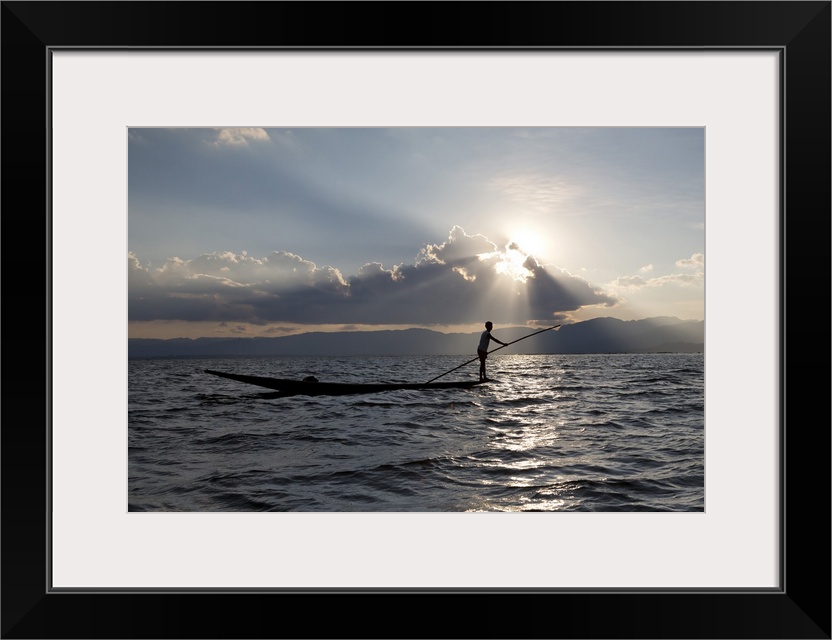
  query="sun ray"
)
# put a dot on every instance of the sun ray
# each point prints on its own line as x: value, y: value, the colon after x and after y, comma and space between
x: 508, y: 299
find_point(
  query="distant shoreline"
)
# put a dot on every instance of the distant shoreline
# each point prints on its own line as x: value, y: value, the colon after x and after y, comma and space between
x: 597, y: 336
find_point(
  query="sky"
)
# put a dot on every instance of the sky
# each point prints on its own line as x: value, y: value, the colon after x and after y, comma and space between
x: 236, y: 232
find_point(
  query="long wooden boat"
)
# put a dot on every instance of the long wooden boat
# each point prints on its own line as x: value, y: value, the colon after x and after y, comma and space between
x: 300, y: 387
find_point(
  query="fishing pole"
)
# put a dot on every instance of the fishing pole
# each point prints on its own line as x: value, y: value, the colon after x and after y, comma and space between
x: 492, y: 351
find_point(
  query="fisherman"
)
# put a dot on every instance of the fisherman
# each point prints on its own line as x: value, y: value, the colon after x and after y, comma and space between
x: 482, y: 350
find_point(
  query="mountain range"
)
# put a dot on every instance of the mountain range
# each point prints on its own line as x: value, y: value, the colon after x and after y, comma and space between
x: 599, y: 335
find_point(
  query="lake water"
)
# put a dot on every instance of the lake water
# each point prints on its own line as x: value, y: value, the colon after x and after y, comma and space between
x: 595, y: 433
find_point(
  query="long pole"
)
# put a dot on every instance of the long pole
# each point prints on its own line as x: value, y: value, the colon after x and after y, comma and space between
x: 492, y: 351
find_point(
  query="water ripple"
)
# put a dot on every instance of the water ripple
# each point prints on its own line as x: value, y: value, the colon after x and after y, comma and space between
x: 556, y: 433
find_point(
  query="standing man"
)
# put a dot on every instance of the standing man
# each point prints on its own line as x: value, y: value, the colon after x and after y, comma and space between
x: 482, y: 350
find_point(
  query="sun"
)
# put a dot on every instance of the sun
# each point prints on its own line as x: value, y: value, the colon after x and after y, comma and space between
x: 513, y: 263
x: 527, y: 241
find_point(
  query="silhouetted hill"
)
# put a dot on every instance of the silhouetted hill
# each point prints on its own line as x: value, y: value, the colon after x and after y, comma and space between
x: 600, y: 335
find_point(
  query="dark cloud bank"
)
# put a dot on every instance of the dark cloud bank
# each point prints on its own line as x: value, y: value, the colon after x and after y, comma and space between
x: 465, y: 279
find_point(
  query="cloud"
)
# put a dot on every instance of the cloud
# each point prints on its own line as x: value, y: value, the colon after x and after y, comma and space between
x: 458, y: 248
x: 685, y: 279
x: 696, y: 261
x: 240, y: 136
x: 543, y: 193
x: 630, y: 282
x: 457, y: 281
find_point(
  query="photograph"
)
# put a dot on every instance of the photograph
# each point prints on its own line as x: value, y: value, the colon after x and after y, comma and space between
x: 415, y: 311
x: 312, y: 313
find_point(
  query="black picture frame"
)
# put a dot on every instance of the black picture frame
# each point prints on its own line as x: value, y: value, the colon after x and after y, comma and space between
x: 800, y: 608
